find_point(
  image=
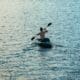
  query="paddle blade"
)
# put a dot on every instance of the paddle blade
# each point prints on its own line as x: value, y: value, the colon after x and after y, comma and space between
x: 49, y: 24
x: 32, y: 38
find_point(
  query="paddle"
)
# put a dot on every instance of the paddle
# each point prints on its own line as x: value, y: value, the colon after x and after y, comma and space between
x: 49, y: 24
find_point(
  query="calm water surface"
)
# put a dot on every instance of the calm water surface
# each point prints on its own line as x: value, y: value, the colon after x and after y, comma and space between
x: 20, y: 20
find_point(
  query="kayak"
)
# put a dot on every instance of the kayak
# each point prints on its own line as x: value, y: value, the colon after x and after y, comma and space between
x: 45, y: 43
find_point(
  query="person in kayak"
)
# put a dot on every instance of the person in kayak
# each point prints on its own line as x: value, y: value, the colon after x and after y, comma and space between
x: 42, y: 34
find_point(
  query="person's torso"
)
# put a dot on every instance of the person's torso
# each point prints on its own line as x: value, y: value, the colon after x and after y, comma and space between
x: 42, y: 35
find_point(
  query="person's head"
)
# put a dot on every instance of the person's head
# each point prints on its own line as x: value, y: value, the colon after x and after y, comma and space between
x: 41, y: 29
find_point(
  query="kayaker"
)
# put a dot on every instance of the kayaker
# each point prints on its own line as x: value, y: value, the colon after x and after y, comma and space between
x: 42, y: 33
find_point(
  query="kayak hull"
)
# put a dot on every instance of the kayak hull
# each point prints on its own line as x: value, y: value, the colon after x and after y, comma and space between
x: 45, y: 43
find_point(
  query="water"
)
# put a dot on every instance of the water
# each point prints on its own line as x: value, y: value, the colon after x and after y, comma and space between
x: 20, y: 20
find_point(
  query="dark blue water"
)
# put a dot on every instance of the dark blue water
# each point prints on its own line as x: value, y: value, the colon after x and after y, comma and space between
x: 20, y: 59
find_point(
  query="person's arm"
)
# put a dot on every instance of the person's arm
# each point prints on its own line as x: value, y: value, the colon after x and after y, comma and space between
x: 38, y: 34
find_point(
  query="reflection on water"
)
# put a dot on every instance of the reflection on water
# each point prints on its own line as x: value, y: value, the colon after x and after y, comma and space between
x: 20, y: 20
